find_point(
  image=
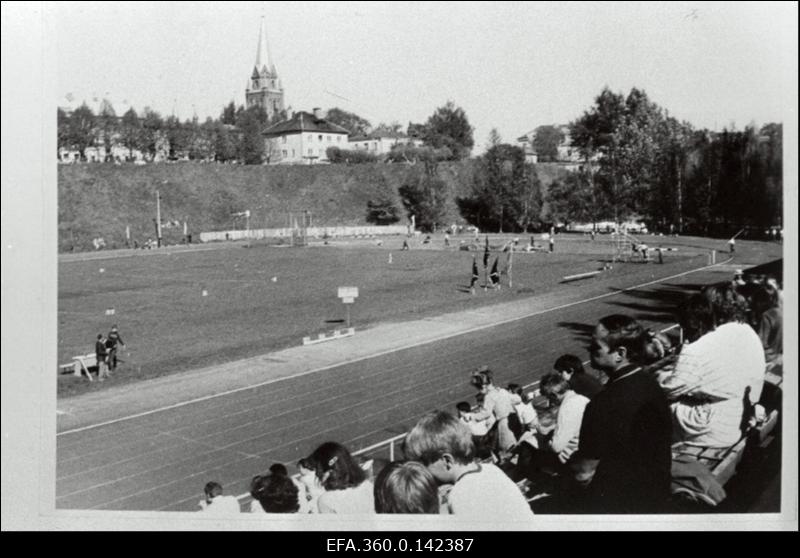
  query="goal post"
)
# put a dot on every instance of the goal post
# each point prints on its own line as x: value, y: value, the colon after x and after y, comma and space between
x: 298, y: 223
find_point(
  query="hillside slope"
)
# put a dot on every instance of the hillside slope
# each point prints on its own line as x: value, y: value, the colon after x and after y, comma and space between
x: 100, y: 200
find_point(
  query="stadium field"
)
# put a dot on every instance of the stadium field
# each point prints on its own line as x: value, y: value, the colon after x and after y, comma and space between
x: 264, y: 298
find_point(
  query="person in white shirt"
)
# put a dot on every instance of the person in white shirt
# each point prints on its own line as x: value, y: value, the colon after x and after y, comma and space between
x: 717, y: 372
x: 480, y: 491
x: 571, y: 405
x: 347, y: 489
x: 216, y: 503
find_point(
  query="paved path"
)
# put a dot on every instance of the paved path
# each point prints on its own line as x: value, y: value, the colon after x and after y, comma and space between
x: 153, y: 445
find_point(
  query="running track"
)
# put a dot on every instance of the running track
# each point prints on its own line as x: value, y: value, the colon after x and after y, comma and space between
x: 161, y: 461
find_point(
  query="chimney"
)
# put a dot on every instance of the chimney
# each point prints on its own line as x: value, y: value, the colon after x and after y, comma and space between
x: 318, y: 113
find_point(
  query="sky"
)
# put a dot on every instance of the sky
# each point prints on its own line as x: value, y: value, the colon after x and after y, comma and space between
x: 511, y: 66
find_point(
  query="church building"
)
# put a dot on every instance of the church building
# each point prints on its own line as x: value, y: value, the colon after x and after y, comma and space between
x: 264, y: 88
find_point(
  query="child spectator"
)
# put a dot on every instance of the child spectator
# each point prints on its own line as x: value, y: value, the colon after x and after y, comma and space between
x: 571, y: 406
x: 479, y: 428
x: 406, y: 487
x: 497, y: 402
x: 275, y: 494
x: 216, y: 503
x: 347, y: 489
x: 272, y: 493
x: 480, y: 491
x: 526, y: 417
x: 571, y: 369
x: 310, y: 487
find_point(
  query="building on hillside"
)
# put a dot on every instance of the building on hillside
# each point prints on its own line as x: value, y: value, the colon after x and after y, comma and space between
x: 264, y: 88
x: 304, y: 138
x: 526, y: 143
x: 381, y: 142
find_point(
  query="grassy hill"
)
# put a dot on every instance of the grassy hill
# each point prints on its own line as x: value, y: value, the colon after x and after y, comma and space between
x: 100, y: 200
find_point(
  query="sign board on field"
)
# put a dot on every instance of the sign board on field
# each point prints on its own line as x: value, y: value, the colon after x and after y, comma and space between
x: 348, y: 294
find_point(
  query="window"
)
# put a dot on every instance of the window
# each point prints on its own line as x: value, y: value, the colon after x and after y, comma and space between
x: 310, y: 151
x: 293, y: 154
x: 284, y: 153
x: 319, y: 137
x: 339, y: 138
x: 283, y: 139
x: 310, y: 137
x: 329, y: 138
x: 374, y: 145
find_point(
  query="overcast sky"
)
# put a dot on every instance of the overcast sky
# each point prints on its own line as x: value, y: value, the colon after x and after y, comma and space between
x: 511, y: 66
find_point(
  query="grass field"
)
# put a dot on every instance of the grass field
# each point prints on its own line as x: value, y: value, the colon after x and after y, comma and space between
x: 260, y: 299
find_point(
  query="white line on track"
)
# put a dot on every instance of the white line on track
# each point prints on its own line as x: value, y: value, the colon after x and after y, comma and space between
x: 388, y: 351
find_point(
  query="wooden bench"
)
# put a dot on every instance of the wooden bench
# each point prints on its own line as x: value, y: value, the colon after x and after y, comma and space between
x: 80, y: 364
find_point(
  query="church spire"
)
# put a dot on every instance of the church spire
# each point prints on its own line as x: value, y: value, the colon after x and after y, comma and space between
x: 262, y: 54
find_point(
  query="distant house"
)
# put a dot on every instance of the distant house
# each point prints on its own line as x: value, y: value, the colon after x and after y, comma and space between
x: 304, y: 138
x: 568, y: 155
x: 526, y: 143
x: 381, y: 142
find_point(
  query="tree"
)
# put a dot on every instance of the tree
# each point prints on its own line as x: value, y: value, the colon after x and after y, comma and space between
x: 82, y: 129
x: 107, y: 125
x: 572, y: 199
x: 424, y: 196
x: 356, y: 125
x: 152, y: 131
x: 62, y: 129
x: 251, y: 143
x: 506, y: 192
x: 177, y: 137
x: 382, y: 211
x: 449, y: 127
x: 546, y: 141
x: 228, y: 115
x: 131, y: 131
x: 224, y: 143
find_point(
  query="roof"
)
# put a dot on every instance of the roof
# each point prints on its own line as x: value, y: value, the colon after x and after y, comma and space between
x: 304, y: 122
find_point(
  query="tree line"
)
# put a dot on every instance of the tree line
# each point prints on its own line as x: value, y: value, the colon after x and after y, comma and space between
x: 641, y: 162
x: 637, y: 162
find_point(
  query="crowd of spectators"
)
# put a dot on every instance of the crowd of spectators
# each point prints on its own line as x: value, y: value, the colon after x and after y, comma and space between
x: 601, y: 442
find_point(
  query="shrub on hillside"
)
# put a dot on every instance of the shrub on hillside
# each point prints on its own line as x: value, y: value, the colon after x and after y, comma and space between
x: 382, y: 212
x: 406, y: 153
x: 349, y: 156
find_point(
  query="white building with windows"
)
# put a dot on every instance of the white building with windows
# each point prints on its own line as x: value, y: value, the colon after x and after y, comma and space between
x: 381, y: 142
x: 303, y: 139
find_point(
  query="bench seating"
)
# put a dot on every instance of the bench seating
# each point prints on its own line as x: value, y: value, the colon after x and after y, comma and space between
x: 80, y: 364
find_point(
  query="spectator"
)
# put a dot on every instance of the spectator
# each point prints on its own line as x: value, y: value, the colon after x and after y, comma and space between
x: 571, y: 407
x: 479, y: 428
x: 275, y: 493
x: 480, y: 491
x: 113, y: 340
x: 526, y: 417
x: 216, y: 503
x: 767, y: 320
x: 656, y: 346
x: 271, y: 493
x: 101, y: 354
x: 406, y: 487
x: 717, y: 372
x: 310, y: 487
x: 624, y: 458
x: 571, y: 369
x: 347, y: 489
x: 497, y: 402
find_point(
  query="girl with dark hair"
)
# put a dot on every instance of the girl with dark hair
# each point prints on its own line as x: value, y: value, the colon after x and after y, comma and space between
x: 347, y: 489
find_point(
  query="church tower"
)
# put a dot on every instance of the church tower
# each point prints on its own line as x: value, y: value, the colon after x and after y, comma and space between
x: 264, y: 88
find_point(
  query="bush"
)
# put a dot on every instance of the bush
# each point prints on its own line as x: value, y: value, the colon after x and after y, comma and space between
x: 349, y: 156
